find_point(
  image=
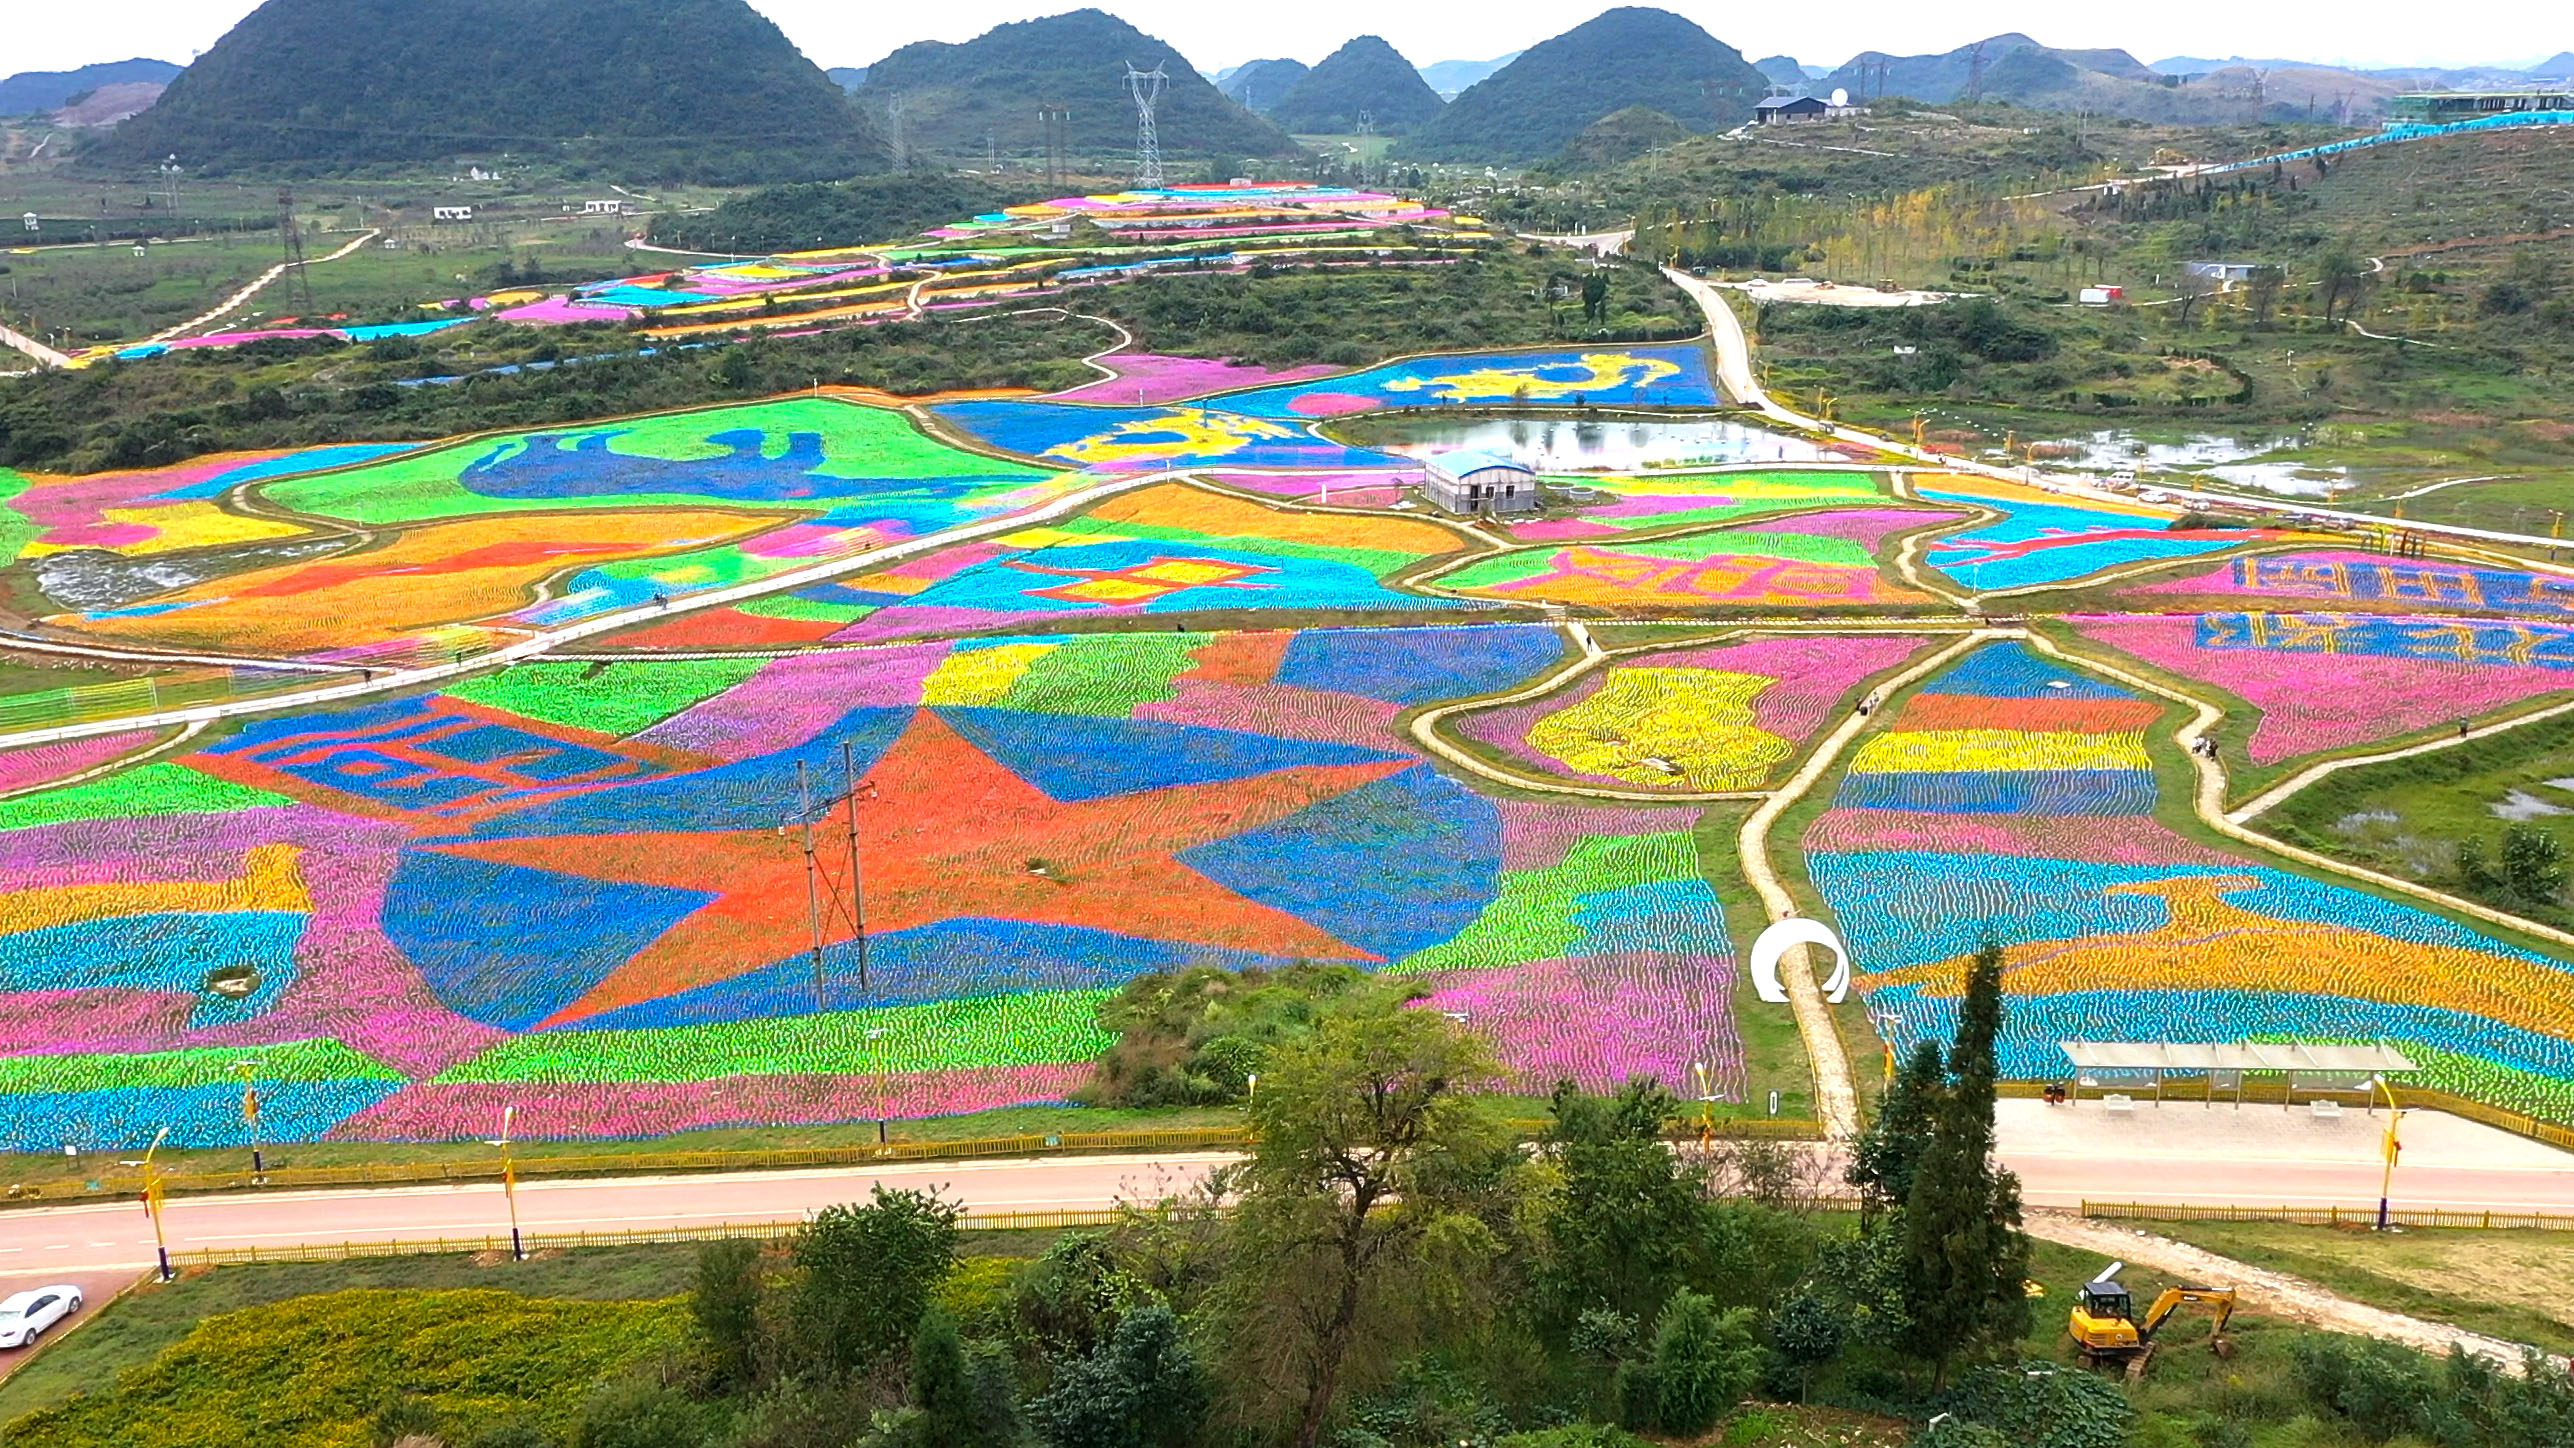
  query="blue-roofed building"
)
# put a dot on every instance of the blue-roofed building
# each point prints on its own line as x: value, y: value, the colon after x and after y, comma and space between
x: 1478, y: 482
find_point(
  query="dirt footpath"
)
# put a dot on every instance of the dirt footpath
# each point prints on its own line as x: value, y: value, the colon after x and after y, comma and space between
x: 2274, y: 1293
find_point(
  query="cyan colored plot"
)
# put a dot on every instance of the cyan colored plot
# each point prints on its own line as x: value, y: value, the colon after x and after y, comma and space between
x: 1125, y: 573
x: 2035, y: 1025
x: 126, y: 1118
x: 170, y: 953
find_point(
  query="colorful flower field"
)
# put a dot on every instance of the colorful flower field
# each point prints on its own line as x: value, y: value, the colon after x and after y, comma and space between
x: 565, y: 887
x: 1674, y: 499
x: 1726, y: 716
x: 1832, y: 565
x: 2013, y: 798
x: 2349, y: 582
x: 1169, y: 548
x: 2048, y: 538
x: 2324, y: 681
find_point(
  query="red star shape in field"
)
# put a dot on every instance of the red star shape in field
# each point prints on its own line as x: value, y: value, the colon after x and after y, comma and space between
x: 951, y: 833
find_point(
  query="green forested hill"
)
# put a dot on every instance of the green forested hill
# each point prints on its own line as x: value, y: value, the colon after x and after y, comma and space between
x: 1631, y: 56
x: 1365, y: 75
x: 703, y: 90
x: 955, y: 96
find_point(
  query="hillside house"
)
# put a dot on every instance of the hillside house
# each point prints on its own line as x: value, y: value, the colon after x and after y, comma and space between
x: 1476, y: 482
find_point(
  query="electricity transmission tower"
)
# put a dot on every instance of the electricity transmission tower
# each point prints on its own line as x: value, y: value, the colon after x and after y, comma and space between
x: 1147, y: 86
x: 1057, y: 121
x: 292, y: 238
x: 1366, y: 141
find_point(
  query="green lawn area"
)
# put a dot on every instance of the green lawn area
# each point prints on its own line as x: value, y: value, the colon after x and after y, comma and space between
x: 2407, y: 816
x: 135, y: 1329
x: 2508, y: 1284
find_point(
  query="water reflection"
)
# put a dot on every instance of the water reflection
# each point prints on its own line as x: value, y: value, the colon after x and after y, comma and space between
x: 1565, y: 445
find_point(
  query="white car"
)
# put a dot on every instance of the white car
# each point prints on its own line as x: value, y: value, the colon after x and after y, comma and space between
x: 24, y: 1316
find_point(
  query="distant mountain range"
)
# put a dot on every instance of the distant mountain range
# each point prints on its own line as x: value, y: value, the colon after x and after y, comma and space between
x: 1630, y: 56
x: 32, y: 91
x: 1365, y: 79
x: 1449, y: 77
x: 1256, y: 85
x: 847, y: 77
x: 703, y: 90
x: 953, y: 100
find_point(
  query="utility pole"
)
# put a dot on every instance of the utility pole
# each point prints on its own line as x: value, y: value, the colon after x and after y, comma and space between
x: 857, y: 881
x: 812, y: 880
x: 1975, y: 72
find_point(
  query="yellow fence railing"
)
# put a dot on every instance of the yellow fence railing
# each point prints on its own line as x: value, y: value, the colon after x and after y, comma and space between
x: 2327, y: 1216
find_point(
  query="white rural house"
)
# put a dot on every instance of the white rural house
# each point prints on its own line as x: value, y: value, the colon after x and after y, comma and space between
x: 451, y: 213
x: 1475, y: 482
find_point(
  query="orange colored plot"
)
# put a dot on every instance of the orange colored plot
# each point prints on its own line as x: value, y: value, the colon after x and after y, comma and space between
x: 1932, y: 712
x: 1177, y: 505
x: 439, y: 574
x: 2209, y: 943
x: 1242, y: 658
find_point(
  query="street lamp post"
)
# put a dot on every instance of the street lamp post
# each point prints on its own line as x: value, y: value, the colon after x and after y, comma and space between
x: 250, y: 1118
x: 153, y: 1195
x: 2394, y: 1146
x: 509, y: 1183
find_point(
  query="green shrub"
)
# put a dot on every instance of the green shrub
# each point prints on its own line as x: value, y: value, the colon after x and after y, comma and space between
x: 2042, y: 1405
x: 313, y: 1372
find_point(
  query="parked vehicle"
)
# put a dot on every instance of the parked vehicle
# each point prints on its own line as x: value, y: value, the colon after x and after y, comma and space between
x: 25, y: 1316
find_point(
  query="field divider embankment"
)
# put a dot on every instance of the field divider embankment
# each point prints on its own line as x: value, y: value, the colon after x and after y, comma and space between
x: 1836, y: 1096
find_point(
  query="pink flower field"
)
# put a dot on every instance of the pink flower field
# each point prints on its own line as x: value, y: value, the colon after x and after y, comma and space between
x: 2321, y: 698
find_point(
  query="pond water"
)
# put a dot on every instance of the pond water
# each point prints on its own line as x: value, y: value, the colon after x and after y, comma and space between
x: 1564, y: 445
x: 2232, y: 460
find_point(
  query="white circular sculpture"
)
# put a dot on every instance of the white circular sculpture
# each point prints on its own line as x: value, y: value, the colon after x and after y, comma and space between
x: 1779, y: 939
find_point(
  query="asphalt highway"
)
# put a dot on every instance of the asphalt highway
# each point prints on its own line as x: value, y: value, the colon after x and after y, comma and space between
x: 2258, y: 1159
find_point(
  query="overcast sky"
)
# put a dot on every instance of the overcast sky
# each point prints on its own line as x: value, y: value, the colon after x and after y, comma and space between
x: 42, y: 36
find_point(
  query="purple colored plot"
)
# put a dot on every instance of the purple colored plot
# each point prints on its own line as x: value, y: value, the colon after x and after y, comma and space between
x: 2113, y: 840
x: 45, y: 763
x: 2317, y: 700
x: 1866, y: 527
x: 447, y: 1111
x: 569, y: 309
x: 1813, y: 672
x: 1146, y: 377
x: 1603, y: 1019
x: 1278, y: 709
x: 350, y: 981
x: 792, y: 700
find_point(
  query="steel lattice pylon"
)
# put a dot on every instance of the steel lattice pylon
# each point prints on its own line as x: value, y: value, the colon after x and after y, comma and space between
x: 1147, y: 87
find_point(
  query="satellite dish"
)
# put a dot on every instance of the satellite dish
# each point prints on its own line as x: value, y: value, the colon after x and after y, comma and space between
x: 1840, y: 98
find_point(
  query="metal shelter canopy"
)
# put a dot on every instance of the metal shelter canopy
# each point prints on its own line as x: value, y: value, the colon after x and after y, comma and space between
x: 2289, y: 1056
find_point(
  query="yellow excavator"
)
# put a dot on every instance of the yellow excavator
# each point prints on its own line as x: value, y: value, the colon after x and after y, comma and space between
x: 2106, y: 1329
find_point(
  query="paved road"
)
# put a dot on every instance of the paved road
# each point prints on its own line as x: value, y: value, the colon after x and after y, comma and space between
x: 71, y: 1240
x: 2265, y: 1157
